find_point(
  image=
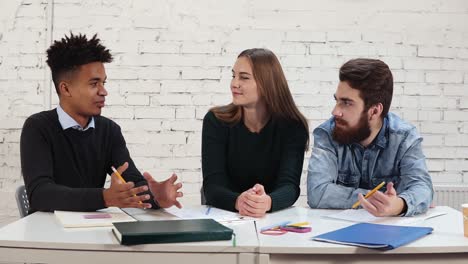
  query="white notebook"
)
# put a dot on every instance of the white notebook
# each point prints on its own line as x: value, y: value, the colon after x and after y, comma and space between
x: 104, y: 217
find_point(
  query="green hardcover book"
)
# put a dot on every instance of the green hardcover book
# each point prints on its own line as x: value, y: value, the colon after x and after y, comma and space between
x: 170, y: 231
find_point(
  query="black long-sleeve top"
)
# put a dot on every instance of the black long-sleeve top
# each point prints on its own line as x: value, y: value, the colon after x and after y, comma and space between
x: 235, y: 159
x: 66, y: 169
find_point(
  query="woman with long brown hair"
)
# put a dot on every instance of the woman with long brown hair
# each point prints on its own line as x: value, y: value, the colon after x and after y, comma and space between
x: 253, y: 149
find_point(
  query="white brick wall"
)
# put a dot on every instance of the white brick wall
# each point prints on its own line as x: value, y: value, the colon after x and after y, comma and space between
x: 173, y: 61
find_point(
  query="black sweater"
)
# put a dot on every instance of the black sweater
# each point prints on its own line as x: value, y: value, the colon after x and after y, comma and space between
x: 235, y: 159
x: 66, y: 169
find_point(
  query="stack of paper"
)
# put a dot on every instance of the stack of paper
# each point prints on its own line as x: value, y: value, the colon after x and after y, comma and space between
x: 362, y: 216
x: 104, y: 217
x: 206, y: 212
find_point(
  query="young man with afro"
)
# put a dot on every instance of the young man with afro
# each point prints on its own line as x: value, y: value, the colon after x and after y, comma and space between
x: 67, y: 152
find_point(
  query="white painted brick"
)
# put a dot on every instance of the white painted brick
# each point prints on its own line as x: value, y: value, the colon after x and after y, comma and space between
x: 397, y: 50
x: 122, y: 73
x: 421, y: 64
x: 464, y: 102
x: 444, y: 77
x: 114, y: 98
x: 421, y: 89
x: 203, y: 48
x: 323, y: 49
x: 436, y: 52
x: 440, y: 152
x: 189, y: 150
x: 454, y: 64
x: 185, y: 113
x: 221, y: 99
x: 293, y: 48
x: 147, y: 124
x: 200, y: 112
x: 118, y: 112
x: 435, y: 165
x: 159, y: 47
x: 437, y: 102
x: 409, y: 115
x: 456, y: 140
x: 300, y: 61
x: 425, y: 115
x: 150, y: 150
x: 171, y: 99
x: 439, y: 128
x: 183, y: 125
x: 138, y: 99
x: 446, y: 177
x: 433, y: 140
x: 456, y: 115
x: 306, y: 36
x: 343, y: 36
x: 151, y: 22
x: 379, y: 36
x: 408, y: 76
x: 158, y: 73
x: 139, y: 86
x: 127, y: 46
x: 138, y: 34
x: 145, y: 59
x: 200, y: 73
x: 181, y: 86
x: 454, y: 89
x: 181, y: 163
x: 456, y: 165
x: 361, y: 50
x: 155, y: 112
x: 182, y: 59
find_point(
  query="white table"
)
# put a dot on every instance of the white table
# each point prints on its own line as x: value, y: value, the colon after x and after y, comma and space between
x: 446, y: 244
x: 39, y: 238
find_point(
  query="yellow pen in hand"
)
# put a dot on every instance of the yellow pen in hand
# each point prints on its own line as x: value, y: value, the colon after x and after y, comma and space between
x: 369, y: 194
x: 122, y: 179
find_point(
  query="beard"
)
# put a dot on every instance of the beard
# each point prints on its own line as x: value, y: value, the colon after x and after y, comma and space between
x: 344, y: 134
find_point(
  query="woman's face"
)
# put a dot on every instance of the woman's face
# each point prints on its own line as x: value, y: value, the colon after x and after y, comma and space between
x: 243, y: 85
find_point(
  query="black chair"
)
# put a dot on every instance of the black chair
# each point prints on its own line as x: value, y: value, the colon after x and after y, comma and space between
x: 22, y: 201
x: 202, y: 196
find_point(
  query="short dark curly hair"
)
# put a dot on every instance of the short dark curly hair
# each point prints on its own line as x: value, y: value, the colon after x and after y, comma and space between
x: 66, y: 55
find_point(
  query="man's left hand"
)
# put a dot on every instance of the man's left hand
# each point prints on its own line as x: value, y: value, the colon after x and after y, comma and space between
x: 165, y: 192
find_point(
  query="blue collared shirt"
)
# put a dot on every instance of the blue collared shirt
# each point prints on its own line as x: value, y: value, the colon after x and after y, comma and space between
x: 337, y: 173
x: 66, y: 121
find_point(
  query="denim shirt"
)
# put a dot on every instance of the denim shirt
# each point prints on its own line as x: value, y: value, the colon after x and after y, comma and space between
x: 337, y: 173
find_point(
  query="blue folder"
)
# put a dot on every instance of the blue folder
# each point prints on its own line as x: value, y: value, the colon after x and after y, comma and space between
x: 374, y: 235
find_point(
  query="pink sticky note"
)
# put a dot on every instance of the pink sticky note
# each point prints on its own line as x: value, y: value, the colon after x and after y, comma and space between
x: 97, y: 216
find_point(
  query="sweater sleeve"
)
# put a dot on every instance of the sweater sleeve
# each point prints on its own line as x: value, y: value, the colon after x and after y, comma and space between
x: 216, y: 185
x: 120, y: 155
x: 286, y: 188
x: 37, y: 164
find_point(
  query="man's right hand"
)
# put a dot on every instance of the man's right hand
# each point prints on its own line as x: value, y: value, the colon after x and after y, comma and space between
x: 125, y: 195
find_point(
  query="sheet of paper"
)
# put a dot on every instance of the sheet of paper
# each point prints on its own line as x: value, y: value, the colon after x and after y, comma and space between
x: 362, y: 216
x: 104, y: 217
x: 200, y: 212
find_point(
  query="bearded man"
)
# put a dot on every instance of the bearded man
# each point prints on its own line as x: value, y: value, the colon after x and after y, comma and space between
x: 363, y: 145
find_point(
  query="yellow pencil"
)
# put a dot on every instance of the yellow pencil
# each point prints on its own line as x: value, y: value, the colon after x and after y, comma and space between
x: 121, y: 178
x: 369, y: 194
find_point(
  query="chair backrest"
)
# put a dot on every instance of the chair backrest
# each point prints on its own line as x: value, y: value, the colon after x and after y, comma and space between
x: 202, y: 196
x: 22, y: 201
